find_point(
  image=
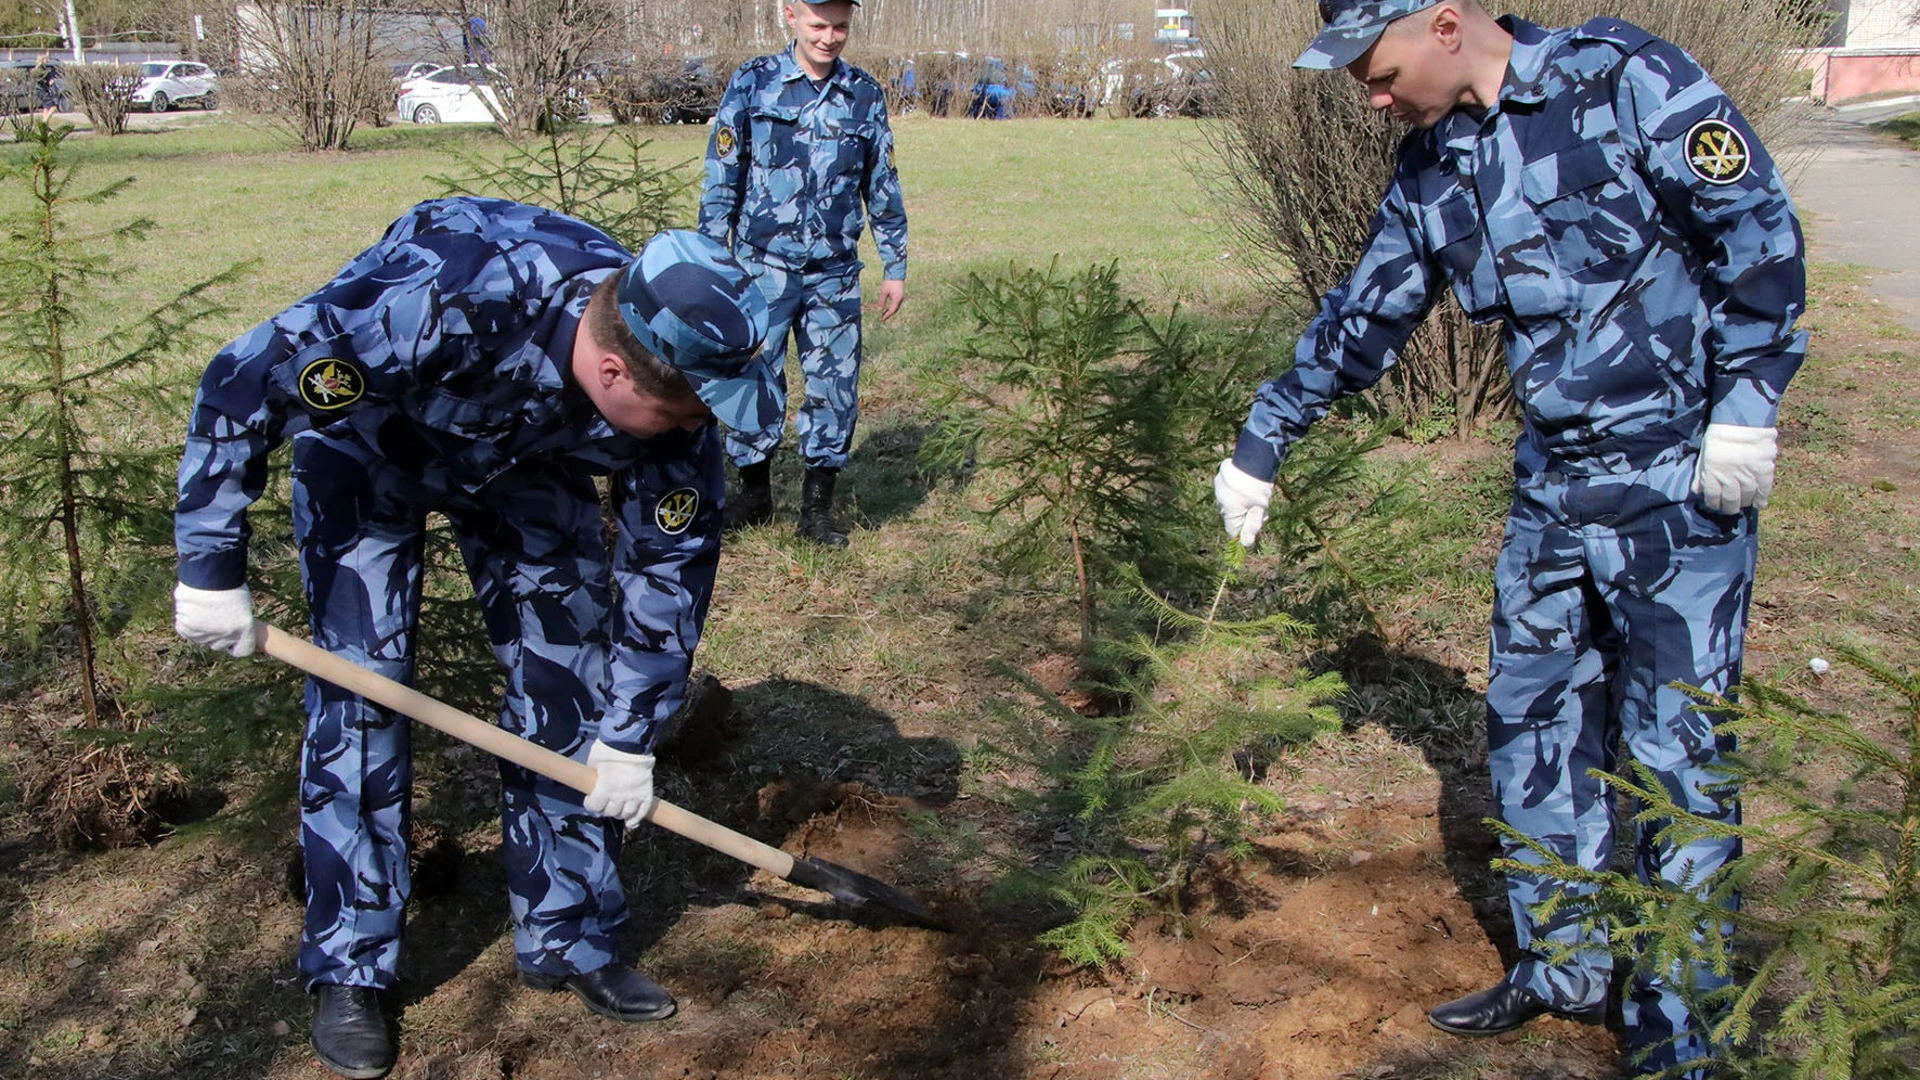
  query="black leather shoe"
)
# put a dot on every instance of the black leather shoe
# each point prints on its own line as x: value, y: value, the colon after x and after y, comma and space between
x: 616, y: 992
x: 1500, y: 1009
x: 350, y: 1033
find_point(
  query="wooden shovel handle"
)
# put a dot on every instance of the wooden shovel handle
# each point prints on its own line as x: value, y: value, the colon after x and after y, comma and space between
x: 474, y: 731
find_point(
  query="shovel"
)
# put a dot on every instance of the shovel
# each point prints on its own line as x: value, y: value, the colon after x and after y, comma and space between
x: 837, y: 881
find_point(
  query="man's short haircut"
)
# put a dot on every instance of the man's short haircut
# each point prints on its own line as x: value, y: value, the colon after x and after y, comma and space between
x: 651, y: 375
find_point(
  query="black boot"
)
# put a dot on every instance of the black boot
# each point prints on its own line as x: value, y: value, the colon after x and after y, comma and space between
x: 753, y: 505
x: 1501, y: 1008
x: 816, y: 506
x: 616, y: 992
x: 350, y: 1033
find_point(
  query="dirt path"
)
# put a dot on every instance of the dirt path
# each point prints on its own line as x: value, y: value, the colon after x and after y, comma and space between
x: 1860, y: 199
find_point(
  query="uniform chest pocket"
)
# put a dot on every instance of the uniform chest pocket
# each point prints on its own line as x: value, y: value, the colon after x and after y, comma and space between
x: 854, y: 146
x: 1592, y: 208
x: 1451, y: 228
x: 470, y: 432
x: 772, y: 129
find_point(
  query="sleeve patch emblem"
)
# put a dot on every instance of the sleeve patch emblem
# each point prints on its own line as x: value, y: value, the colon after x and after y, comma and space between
x: 724, y: 141
x: 331, y: 384
x: 1717, y: 153
x: 675, y: 511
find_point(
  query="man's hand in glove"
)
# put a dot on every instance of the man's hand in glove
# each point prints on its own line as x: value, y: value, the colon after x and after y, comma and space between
x: 1243, y: 502
x: 624, y: 786
x: 217, y: 618
x: 1736, y: 467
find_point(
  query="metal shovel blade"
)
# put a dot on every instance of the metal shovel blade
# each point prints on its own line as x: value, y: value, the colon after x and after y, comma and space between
x: 855, y: 888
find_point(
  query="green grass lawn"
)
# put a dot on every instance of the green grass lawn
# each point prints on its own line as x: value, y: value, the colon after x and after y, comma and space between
x: 979, y: 195
x: 1905, y: 128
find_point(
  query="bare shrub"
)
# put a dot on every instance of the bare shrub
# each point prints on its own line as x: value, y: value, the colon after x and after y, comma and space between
x: 537, y: 49
x: 1125, y: 83
x: 891, y: 69
x: 319, y: 67
x: 641, y: 91
x: 1303, y: 162
x: 105, y: 92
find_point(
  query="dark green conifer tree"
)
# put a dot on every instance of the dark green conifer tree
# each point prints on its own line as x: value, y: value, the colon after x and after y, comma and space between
x: 1825, y: 946
x: 86, y: 477
x: 608, y: 180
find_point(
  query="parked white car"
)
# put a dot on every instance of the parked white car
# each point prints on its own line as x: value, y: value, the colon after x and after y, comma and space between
x: 166, y: 83
x: 449, y: 95
x: 406, y: 73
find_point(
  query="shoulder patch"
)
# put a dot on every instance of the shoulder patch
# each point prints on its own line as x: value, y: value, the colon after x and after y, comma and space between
x: 675, y: 511
x: 724, y: 141
x: 1717, y: 152
x: 332, y: 383
x: 1619, y: 33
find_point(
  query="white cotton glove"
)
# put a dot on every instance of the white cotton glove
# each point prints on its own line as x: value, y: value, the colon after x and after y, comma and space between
x: 217, y: 618
x: 623, y: 787
x: 1243, y: 502
x: 1736, y: 467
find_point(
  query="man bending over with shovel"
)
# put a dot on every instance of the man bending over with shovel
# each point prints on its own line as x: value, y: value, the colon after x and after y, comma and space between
x: 485, y: 360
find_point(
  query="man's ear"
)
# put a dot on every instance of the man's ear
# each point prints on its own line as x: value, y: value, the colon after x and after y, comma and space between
x: 1445, y: 26
x: 610, y: 370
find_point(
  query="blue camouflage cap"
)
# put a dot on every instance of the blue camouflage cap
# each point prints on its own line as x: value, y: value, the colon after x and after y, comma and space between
x: 1352, y: 28
x: 696, y: 308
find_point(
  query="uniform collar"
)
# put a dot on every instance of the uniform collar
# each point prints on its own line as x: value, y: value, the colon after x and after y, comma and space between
x: 790, y: 69
x: 1526, y: 68
x: 1525, y: 84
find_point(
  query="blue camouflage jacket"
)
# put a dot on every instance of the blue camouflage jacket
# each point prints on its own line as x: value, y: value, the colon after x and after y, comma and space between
x: 789, y: 165
x: 445, y: 348
x: 1618, y: 216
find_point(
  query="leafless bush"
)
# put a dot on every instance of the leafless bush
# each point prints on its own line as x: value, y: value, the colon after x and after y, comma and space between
x: 1053, y: 83
x: 891, y: 69
x: 1124, y: 83
x: 943, y: 82
x: 537, y: 48
x: 643, y: 89
x: 319, y: 67
x: 105, y: 92
x: 1303, y: 161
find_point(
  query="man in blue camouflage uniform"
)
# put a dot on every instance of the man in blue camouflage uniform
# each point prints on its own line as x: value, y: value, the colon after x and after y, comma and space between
x: 1595, y: 192
x: 485, y: 360
x: 799, y: 143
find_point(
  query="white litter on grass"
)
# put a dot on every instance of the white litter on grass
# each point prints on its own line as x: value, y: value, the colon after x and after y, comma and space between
x: 1819, y: 666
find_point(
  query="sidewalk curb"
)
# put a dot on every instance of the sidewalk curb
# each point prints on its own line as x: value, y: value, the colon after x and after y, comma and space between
x: 1883, y: 103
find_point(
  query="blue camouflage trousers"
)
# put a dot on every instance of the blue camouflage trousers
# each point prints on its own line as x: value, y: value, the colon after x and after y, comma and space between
x: 1609, y: 589
x: 821, y: 309
x: 532, y: 542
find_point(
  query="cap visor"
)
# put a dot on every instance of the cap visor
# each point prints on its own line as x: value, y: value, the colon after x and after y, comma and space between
x: 745, y: 402
x: 1332, y: 50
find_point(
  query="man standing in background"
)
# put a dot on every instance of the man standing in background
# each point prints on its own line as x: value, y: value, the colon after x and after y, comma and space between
x: 800, y: 155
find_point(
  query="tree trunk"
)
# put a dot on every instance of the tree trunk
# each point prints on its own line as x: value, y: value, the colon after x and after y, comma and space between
x: 45, y: 182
